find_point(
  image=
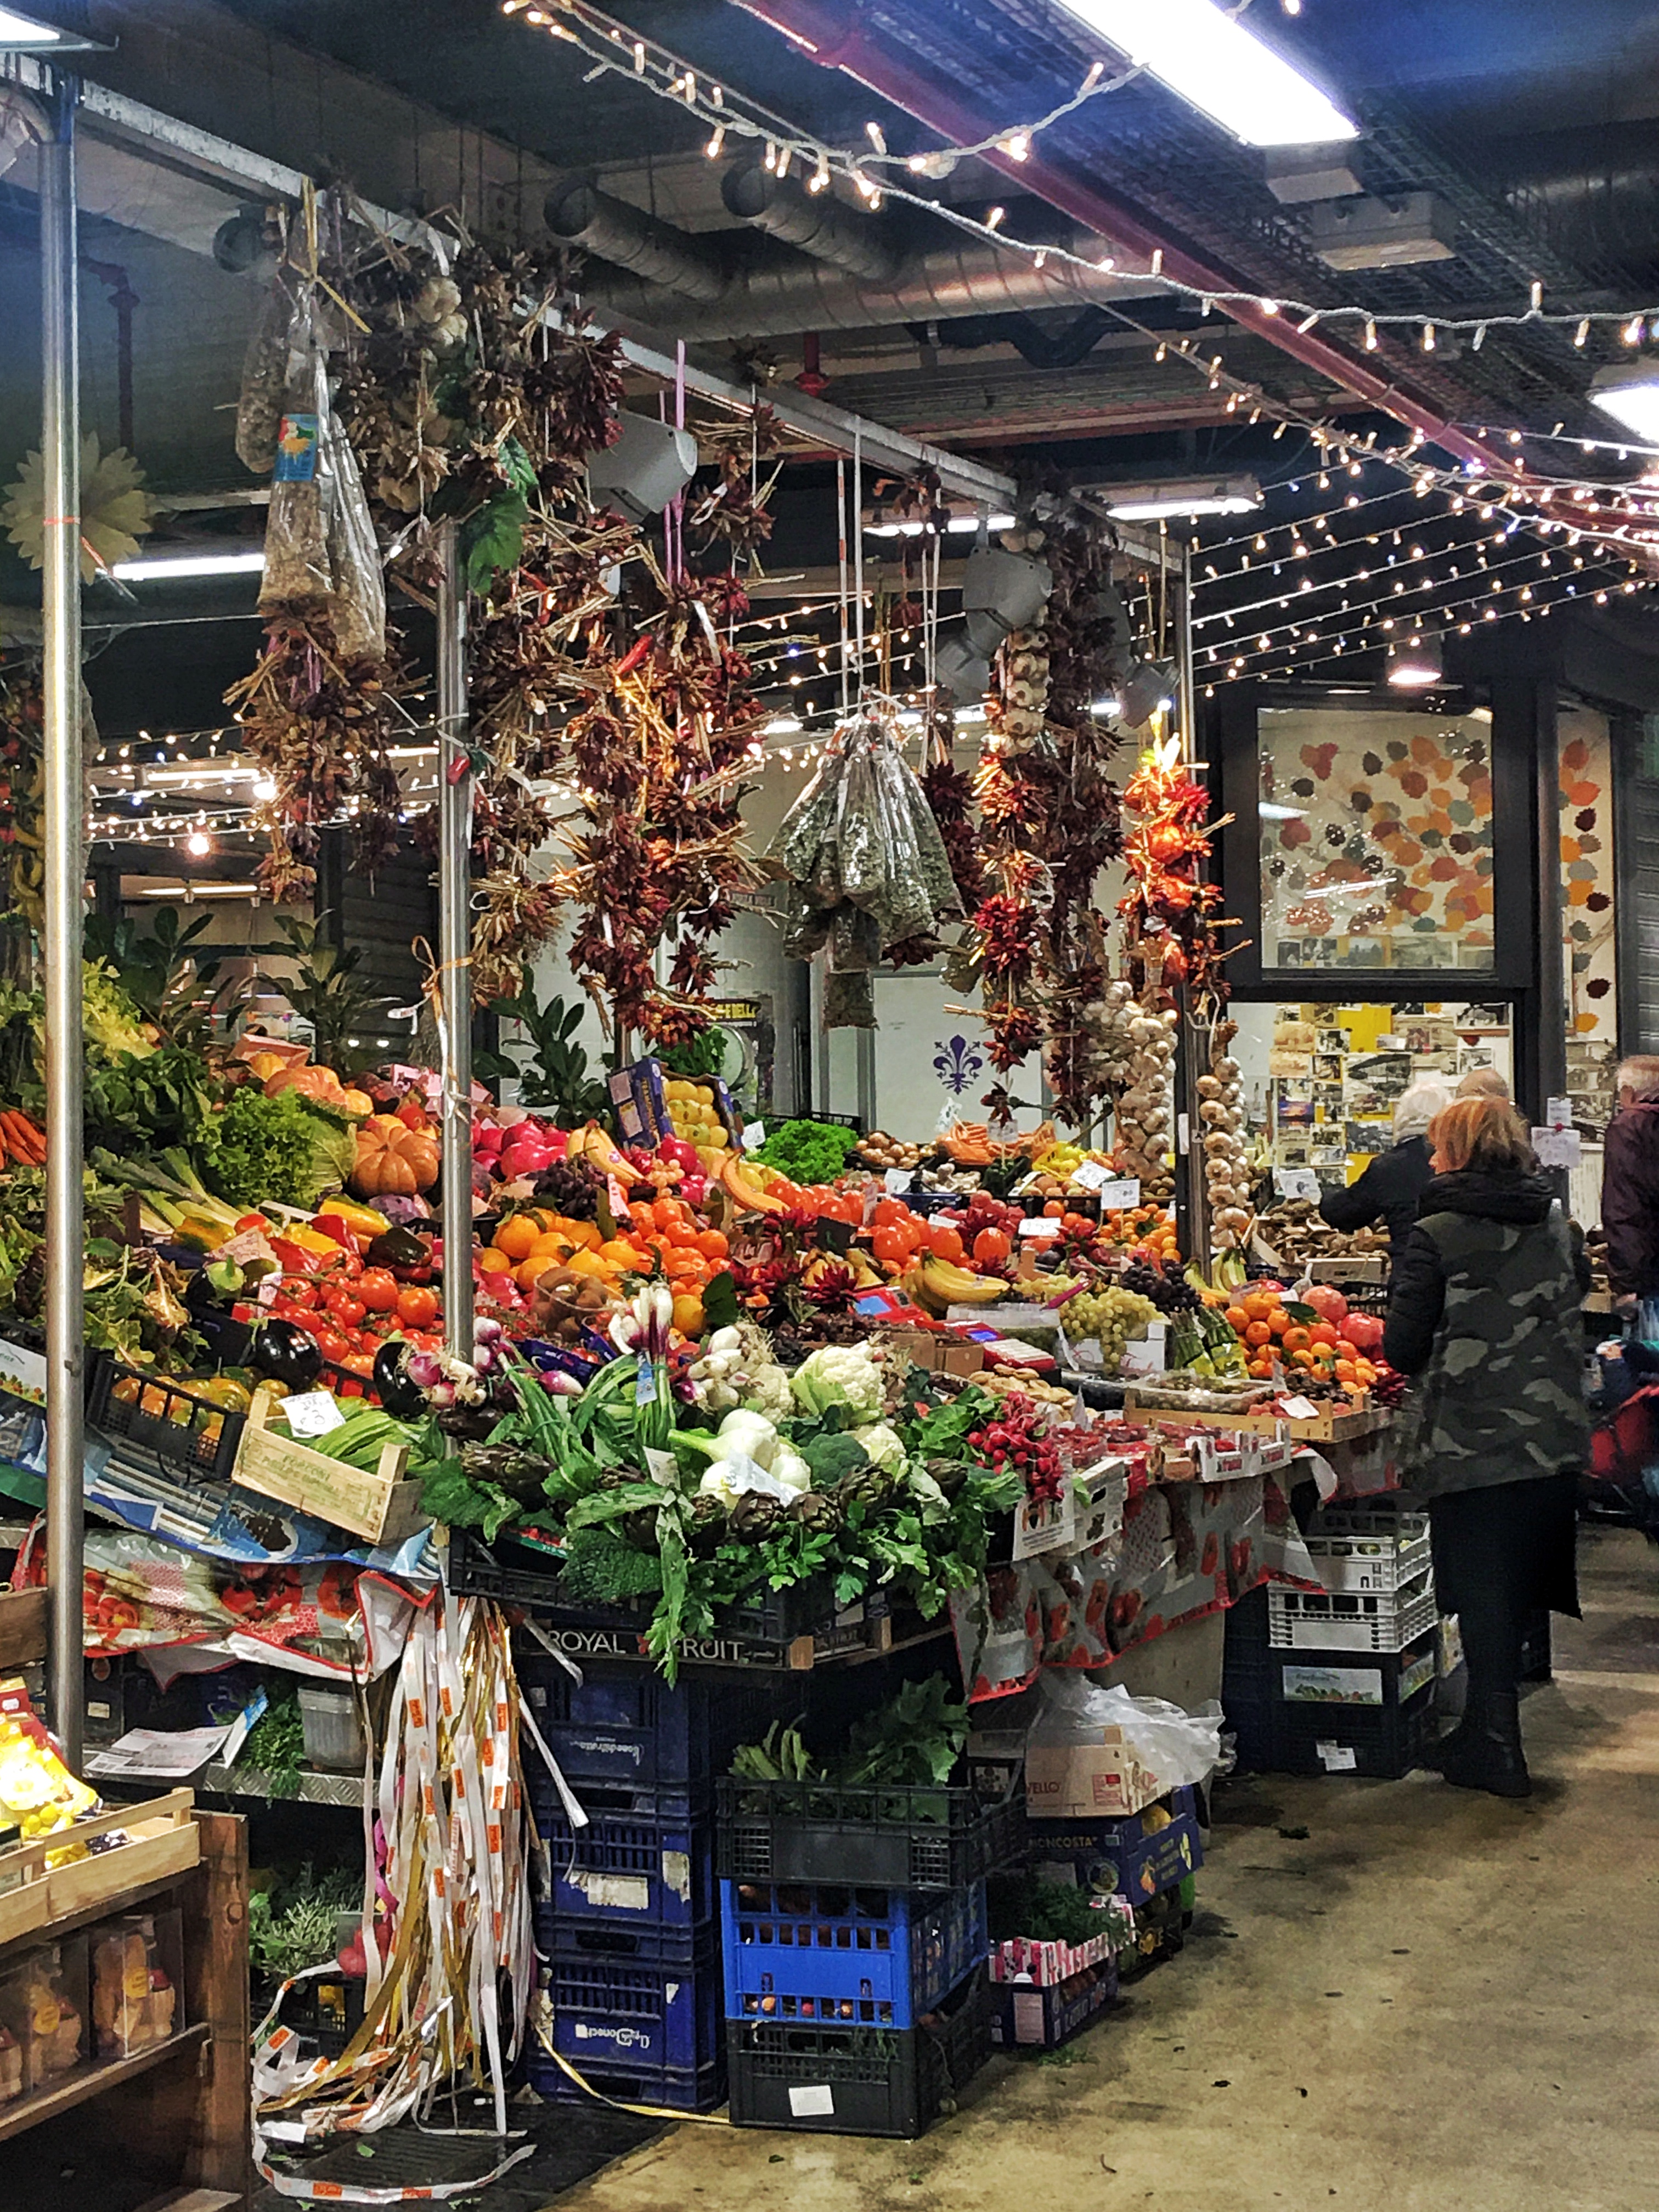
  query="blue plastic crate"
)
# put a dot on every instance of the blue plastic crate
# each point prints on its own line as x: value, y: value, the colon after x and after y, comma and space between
x: 873, y: 1957
x: 645, y: 1942
x: 623, y: 1726
x: 610, y: 2015
x: 1127, y: 1857
x: 631, y: 1869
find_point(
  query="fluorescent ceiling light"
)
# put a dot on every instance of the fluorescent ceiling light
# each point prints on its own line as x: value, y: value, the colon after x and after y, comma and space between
x: 1201, y: 51
x: 1106, y: 708
x: 1152, y: 502
x: 1629, y: 391
x: 781, y: 726
x: 959, y: 526
x: 1270, y: 811
x: 151, y: 568
x: 22, y: 35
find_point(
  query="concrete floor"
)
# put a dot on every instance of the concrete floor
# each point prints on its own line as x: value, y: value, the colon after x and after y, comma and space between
x: 1435, y: 2000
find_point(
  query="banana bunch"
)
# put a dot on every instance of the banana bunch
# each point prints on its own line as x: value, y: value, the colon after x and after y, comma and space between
x: 1228, y: 1273
x: 936, y: 1284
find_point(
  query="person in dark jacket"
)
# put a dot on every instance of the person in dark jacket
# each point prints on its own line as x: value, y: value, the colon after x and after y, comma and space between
x: 1629, y: 1185
x: 1483, y: 1311
x: 1391, y: 1186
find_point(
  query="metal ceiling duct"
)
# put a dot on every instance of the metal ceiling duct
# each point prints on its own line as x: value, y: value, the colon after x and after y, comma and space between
x: 817, y: 222
x: 666, y: 259
x: 785, y: 296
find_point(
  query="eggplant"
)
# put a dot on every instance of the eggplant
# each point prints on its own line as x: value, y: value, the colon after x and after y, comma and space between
x: 399, y: 1249
x: 404, y: 1400
x: 284, y: 1351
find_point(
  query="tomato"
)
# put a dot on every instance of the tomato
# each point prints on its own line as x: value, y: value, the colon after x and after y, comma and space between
x: 991, y: 1245
x: 359, y: 1363
x: 417, y: 1308
x: 252, y: 1221
x: 890, y: 1246
x: 334, y: 1347
x: 944, y: 1241
x: 346, y: 1310
x: 378, y: 1289
x: 300, y: 1290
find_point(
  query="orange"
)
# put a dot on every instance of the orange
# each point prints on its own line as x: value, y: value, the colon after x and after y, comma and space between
x: 582, y: 1232
x: 1345, y: 1371
x: 1297, y: 1339
x: 1345, y: 1350
x: 677, y: 1263
x: 681, y: 1235
x: 515, y: 1237
x: 1238, y: 1320
x: 584, y: 1262
x: 712, y: 1244
x: 492, y: 1260
x: 529, y: 1273
x: 1304, y: 1358
x: 1279, y: 1321
x: 1258, y: 1333
x: 687, y: 1314
x: 665, y: 1213
x: 619, y: 1253
x: 1257, y: 1306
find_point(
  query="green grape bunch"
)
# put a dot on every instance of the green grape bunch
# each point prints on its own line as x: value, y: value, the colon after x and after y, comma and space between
x: 1111, y: 1318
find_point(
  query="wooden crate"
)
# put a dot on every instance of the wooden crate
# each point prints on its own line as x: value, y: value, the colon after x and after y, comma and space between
x: 163, y: 1842
x: 1325, y: 1427
x: 378, y: 1504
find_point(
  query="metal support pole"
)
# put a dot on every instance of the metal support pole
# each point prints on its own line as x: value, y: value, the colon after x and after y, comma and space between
x: 60, y: 445
x: 454, y: 1006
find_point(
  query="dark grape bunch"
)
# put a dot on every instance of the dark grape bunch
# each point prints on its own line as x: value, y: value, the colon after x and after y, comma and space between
x: 570, y: 1188
x: 1171, y: 1294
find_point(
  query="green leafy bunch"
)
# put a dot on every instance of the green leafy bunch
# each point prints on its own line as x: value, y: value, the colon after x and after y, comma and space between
x: 326, y: 990
x: 808, y: 1151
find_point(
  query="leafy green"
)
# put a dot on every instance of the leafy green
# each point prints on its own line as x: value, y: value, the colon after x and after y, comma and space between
x: 156, y: 1099
x: 915, y: 1737
x: 294, y: 1926
x: 719, y: 1301
x: 326, y: 990
x: 451, y: 1496
x: 828, y: 1455
x: 599, y: 1569
x: 808, y: 1151
x: 277, y: 1744
x: 703, y: 1054
x: 285, y: 1148
x: 168, y: 980
x: 111, y: 1021
x: 1043, y: 1912
x: 555, y: 1077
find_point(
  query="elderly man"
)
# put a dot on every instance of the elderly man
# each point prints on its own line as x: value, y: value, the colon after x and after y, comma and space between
x: 1483, y: 1082
x: 1630, y: 1184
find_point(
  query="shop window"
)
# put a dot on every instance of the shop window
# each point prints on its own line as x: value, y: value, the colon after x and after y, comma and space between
x: 1376, y: 840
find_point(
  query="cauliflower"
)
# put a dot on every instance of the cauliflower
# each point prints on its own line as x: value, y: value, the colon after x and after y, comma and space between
x: 882, y: 1445
x: 839, y: 1375
x: 767, y: 1391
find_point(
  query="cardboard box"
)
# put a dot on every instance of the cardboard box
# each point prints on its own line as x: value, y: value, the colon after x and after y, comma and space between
x: 1103, y: 1779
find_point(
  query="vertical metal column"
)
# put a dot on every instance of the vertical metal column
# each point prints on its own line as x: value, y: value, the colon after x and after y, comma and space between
x: 60, y: 445
x: 454, y: 1006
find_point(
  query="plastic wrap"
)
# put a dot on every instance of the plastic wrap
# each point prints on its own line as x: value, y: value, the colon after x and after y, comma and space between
x: 264, y: 381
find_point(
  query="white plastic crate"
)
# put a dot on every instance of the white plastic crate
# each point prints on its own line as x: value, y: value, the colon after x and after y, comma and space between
x: 1300, y: 1620
x: 1372, y: 1563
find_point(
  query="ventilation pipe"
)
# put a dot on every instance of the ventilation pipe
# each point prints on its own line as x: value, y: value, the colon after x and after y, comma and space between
x: 662, y: 256
x: 815, y: 221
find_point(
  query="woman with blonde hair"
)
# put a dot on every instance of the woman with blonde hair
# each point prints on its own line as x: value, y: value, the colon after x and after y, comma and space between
x: 1391, y: 1186
x: 1483, y: 1311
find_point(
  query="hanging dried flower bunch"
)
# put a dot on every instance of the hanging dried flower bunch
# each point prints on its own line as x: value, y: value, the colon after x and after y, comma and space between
x: 1049, y: 821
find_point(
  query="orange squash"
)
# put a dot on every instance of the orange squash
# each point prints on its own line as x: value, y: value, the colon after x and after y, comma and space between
x: 394, y: 1161
x: 321, y: 1084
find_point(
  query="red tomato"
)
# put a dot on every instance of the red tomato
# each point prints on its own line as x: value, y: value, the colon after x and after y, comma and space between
x: 359, y: 1363
x: 944, y: 1241
x: 300, y: 1290
x: 334, y: 1347
x: 890, y: 1246
x: 347, y: 1309
x: 417, y: 1308
x: 252, y: 1221
x: 378, y: 1289
x: 991, y: 1245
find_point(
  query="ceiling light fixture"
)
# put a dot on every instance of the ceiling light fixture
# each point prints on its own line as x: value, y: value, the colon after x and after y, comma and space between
x: 1629, y: 391
x: 1201, y: 51
x: 1153, y: 502
x: 155, y: 568
x: 1416, y: 664
x: 22, y: 35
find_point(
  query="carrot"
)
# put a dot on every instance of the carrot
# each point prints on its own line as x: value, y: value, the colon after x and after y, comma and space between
x: 24, y: 1140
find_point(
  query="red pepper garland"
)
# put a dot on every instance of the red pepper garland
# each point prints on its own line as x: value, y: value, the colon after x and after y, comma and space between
x: 1168, y: 912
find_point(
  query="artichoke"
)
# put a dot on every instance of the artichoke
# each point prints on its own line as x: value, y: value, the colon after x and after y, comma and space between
x: 755, y: 1516
x: 817, y: 1512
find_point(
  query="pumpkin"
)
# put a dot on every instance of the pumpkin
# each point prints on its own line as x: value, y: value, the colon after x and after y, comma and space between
x: 358, y: 1104
x: 321, y: 1084
x: 392, y: 1160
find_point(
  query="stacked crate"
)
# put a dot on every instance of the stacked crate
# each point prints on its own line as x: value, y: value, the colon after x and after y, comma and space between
x: 855, y: 1941
x: 1341, y: 1681
x: 628, y: 1929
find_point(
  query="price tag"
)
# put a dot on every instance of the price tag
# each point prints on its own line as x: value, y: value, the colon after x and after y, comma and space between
x: 618, y: 1198
x: 898, y: 1180
x: 1338, y: 1758
x: 1557, y: 1112
x: 754, y: 1136
x: 1296, y: 1182
x: 644, y: 1383
x: 311, y: 1413
x: 749, y: 1479
x: 1093, y: 1175
x: 1041, y: 1228
x: 1124, y: 1191
x: 253, y: 1710
x: 249, y: 1245
x: 1557, y: 1148
x: 1184, y: 1134
x: 660, y: 1465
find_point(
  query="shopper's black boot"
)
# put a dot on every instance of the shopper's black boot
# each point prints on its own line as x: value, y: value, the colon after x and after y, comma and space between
x: 1491, y: 1757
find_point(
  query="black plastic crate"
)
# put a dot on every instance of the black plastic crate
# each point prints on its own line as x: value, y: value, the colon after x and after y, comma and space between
x: 764, y: 1631
x: 1280, y: 1731
x: 843, y: 2081
x: 876, y: 1837
x: 327, y: 2011
x: 164, y: 1417
x: 623, y: 1725
x: 1382, y: 1742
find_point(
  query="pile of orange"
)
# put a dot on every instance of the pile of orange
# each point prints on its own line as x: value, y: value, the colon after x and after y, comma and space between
x: 664, y: 1237
x: 1267, y: 1333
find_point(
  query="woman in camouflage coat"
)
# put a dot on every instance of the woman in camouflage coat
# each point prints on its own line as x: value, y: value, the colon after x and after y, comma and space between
x: 1483, y: 1310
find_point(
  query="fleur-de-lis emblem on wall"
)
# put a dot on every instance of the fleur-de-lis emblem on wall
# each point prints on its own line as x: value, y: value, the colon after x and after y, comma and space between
x: 958, y: 1062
